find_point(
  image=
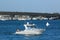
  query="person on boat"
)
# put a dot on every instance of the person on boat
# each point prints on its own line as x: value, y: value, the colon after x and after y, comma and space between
x: 18, y: 30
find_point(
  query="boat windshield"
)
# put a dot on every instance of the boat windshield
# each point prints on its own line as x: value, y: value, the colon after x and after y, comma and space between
x: 31, y: 26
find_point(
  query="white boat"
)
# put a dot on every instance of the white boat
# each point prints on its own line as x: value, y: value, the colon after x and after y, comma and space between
x: 30, y: 30
x: 47, y: 24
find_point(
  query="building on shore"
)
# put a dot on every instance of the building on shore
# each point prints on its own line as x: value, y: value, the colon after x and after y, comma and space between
x: 28, y: 16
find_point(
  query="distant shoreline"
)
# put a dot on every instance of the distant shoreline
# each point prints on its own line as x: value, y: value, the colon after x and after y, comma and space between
x: 32, y: 15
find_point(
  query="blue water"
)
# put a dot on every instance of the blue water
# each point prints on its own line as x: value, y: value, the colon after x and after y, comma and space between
x: 7, y: 28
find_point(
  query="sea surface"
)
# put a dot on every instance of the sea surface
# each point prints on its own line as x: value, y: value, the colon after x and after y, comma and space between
x: 9, y: 27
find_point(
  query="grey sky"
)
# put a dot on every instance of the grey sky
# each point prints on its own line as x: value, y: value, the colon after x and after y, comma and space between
x: 30, y: 5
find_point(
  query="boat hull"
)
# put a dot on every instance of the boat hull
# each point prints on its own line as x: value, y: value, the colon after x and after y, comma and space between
x: 31, y: 32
